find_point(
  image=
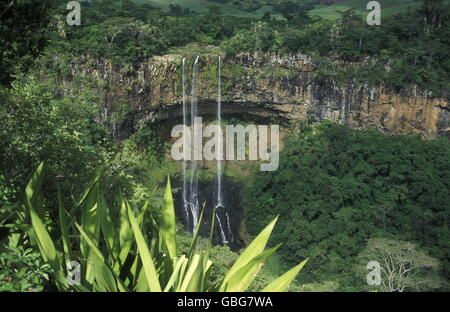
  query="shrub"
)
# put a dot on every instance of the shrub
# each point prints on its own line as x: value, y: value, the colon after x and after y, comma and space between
x: 22, y: 270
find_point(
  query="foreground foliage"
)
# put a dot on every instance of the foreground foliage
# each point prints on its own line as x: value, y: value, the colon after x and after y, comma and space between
x: 116, y: 255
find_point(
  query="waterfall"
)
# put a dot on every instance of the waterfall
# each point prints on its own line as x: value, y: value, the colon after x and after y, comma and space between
x: 185, y: 187
x: 220, y: 208
x: 193, y: 185
x: 219, y: 202
x: 343, y: 117
x: 190, y: 190
x: 343, y: 112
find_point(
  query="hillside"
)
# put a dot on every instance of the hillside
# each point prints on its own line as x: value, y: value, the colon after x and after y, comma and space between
x: 325, y: 9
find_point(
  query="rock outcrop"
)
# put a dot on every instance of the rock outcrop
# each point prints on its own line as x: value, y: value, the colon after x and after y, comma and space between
x: 264, y: 86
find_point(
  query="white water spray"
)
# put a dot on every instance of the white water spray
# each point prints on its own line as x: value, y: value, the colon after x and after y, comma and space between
x: 185, y: 187
x: 220, y: 207
x: 193, y: 186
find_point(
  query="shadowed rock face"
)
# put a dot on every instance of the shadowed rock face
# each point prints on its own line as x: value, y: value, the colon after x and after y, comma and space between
x: 265, y: 86
x: 207, y: 195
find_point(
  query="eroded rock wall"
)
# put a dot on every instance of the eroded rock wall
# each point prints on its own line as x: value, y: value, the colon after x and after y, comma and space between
x: 262, y: 85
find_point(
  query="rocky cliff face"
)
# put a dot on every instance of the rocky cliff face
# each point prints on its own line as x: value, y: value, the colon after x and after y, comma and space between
x: 263, y: 85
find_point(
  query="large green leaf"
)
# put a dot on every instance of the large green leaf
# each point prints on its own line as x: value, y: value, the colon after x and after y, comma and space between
x: 104, y: 277
x: 90, y: 220
x: 46, y: 245
x: 167, y: 226
x: 142, y: 283
x: 125, y: 231
x: 282, y: 283
x: 102, y: 273
x: 33, y: 192
x: 106, y: 223
x: 245, y: 275
x: 147, y: 261
x: 253, y: 250
x: 125, y: 241
x: 179, y: 281
x: 89, y: 188
x: 179, y: 262
x: 91, y: 225
x: 37, y: 232
x: 206, y: 265
x: 191, y: 273
x: 44, y: 240
x: 194, y: 241
x: 64, y: 224
x: 197, y: 280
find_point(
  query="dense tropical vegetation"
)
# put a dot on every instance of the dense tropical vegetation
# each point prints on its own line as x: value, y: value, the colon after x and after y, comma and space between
x: 410, y: 47
x: 343, y: 197
x: 336, y: 188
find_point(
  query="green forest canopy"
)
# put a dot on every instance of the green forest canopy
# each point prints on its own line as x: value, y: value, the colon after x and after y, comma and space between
x: 410, y: 48
x: 336, y: 188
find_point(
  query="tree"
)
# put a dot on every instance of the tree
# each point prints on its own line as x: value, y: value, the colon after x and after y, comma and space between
x: 403, y: 266
x: 175, y: 9
x: 290, y: 9
x: 266, y: 17
x: 264, y: 36
x: 213, y: 9
x: 36, y: 126
x: 22, y: 34
x: 433, y: 10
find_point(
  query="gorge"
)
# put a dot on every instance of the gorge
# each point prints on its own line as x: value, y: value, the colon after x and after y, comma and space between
x: 266, y: 87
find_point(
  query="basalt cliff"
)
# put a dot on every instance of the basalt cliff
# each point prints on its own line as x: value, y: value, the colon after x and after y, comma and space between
x: 269, y: 86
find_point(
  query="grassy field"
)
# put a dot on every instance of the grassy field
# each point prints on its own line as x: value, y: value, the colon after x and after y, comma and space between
x: 388, y: 7
x: 203, y: 5
x: 195, y: 5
